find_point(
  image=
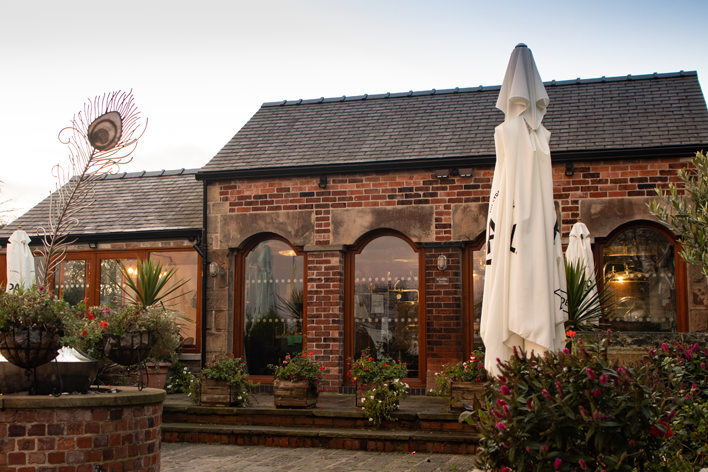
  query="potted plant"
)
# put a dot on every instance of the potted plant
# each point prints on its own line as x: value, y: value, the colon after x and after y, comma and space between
x: 464, y: 381
x: 223, y: 382
x: 32, y: 325
x: 380, y: 402
x: 296, y: 381
x: 147, y: 329
x: 368, y: 373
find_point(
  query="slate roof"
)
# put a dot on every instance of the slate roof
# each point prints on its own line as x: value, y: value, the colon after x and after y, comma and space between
x: 131, y: 203
x: 645, y: 111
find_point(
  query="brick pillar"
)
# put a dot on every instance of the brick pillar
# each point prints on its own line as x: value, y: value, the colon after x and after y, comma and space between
x: 443, y: 313
x: 325, y: 314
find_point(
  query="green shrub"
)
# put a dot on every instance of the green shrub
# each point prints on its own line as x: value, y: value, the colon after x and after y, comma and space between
x: 381, y: 402
x: 366, y: 369
x: 567, y: 411
x: 179, y: 379
x: 299, y: 367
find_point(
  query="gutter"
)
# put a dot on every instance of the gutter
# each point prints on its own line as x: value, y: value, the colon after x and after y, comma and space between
x: 442, y: 162
x: 205, y: 270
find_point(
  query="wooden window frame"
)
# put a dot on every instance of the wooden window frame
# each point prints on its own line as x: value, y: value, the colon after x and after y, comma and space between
x: 95, y: 256
x: 681, y: 277
x: 349, y: 257
x: 239, y: 287
x: 468, y: 293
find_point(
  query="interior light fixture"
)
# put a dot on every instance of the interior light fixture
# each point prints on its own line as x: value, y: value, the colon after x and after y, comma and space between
x: 323, y: 182
x: 93, y: 244
x: 465, y: 171
x: 569, y: 169
x: 442, y: 174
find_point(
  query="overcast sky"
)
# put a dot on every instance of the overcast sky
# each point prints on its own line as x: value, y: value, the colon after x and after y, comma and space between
x: 200, y: 70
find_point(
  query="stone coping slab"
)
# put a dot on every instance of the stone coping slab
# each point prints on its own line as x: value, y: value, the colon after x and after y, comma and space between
x: 321, y: 433
x: 125, y: 396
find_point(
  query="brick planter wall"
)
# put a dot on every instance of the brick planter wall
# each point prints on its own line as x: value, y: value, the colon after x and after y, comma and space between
x: 98, y: 433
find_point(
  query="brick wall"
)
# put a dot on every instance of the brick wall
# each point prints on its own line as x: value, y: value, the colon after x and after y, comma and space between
x: 325, y: 319
x: 617, y: 179
x: 443, y: 303
x: 115, y: 439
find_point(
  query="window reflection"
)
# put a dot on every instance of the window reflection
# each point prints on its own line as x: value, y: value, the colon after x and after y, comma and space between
x: 273, y: 308
x: 639, y: 267
x: 184, y: 300
x: 110, y: 291
x: 479, y: 264
x: 386, y: 301
x: 70, y: 281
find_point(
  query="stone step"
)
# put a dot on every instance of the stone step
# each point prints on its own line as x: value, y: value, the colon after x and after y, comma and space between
x: 460, y: 442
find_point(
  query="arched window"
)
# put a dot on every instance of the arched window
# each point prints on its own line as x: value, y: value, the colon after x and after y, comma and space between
x: 639, y: 264
x: 385, y: 301
x: 270, y: 303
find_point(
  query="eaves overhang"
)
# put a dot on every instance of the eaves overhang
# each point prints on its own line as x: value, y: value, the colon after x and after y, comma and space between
x: 479, y: 160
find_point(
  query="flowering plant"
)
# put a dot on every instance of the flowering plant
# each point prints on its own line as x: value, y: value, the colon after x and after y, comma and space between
x: 381, y: 402
x: 99, y: 322
x: 34, y: 307
x: 232, y: 370
x: 298, y: 367
x: 471, y: 370
x: 568, y: 411
x: 366, y: 369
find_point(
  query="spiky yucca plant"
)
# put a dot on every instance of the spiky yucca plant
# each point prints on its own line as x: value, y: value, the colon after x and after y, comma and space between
x: 586, y: 302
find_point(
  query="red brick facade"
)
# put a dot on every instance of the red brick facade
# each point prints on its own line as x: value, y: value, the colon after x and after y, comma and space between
x: 447, y: 329
x: 114, y: 439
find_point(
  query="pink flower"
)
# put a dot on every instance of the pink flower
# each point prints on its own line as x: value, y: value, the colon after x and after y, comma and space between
x: 501, y: 426
x: 505, y: 390
x: 582, y: 464
x: 603, y: 379
x: 558, y: 463
x: 566, y: 350
x: 596, y: 393
x: 665, y: 347
x: 501, y: 402
x: 591, y: 374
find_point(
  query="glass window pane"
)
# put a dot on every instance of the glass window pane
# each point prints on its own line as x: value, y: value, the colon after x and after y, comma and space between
x: 70, y: 281
x: 184, y: 300
x: 110, y: 292
x: 386, y: 301
x: 479, y: 264
x: 639, y: 268
x: 273, y: 305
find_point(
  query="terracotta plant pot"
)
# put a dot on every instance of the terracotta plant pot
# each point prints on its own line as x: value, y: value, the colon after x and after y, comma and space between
x: 130, y: 349
x: 216, y: 393
x: 153, y: 379
x: 287, y: 394
x: 466, y: 391
x: 30, y: 348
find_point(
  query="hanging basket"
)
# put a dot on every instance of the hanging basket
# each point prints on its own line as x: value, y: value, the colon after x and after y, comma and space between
x: 130, y: 349
x: 30, y: 348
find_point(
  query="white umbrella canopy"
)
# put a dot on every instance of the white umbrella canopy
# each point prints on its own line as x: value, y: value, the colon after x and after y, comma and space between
x: 20, y: 262
x: 524, y: 302
x: 579, y: 250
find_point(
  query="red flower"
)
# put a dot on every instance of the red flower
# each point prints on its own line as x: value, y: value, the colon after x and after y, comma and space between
x: 655, y: 431
x: 322, y: 368
x: 90, y: 316
x: 371, y: 358
x: 570, y: 333
x: 83, y: 334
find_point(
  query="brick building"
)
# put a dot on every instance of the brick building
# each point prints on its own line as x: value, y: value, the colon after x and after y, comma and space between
x: 341, y: 224
x: 329, y: 217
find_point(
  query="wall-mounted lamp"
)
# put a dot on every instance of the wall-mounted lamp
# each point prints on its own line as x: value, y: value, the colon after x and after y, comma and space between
x: 213, y: 269
x: 442, y: 262
x: 442, y: 174
x: 323, y: 182
x: 93, y: 244
x: 465, y: 171
x: 569, y: 169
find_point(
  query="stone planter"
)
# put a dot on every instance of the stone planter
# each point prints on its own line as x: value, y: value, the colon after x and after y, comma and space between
x: 30, y: 348
x: 130, y: 349
x: 467, y: 392
x: 217, y: 393
x: 288, y: 394
x: 154, y: 379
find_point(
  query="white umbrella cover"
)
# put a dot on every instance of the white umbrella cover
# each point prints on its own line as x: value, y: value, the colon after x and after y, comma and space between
x: 524, y: 301
x: 579, y: 250
x: 20, y: 262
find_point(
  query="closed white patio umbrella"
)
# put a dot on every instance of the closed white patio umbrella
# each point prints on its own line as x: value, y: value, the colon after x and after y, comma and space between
x: 524, y: 287
x: 20, y: 262
x: 579, y: 250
